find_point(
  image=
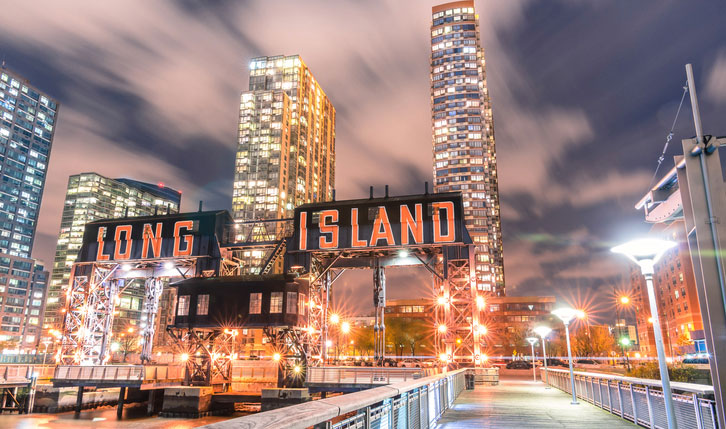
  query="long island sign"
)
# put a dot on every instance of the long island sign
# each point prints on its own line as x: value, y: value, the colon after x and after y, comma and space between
x: 417, y: 220
x: 153, y: 237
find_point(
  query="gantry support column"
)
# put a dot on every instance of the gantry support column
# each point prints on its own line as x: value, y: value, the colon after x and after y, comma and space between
x: 379, y: 302
x: 153, y: 288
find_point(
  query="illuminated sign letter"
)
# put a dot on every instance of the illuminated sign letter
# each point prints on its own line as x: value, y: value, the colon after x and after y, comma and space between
x: 386, y: 232
x: 450, y: 236
x: 100, y: 256
x: 326, y: 228
x: 188, y: 238
x: 117, y: 254
x: 354, y: 240
x: 303, y: 231
x: 155, y: 241
x: 409, y: 224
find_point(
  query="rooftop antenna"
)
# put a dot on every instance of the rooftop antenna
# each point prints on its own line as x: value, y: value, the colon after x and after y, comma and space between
x: 386, y: 191
x: 426, y: 188
x: 371, y: 193
x: 200, y: 205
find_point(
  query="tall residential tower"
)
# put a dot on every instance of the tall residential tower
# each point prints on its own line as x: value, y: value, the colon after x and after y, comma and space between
x: 286, y: 141
x: 463, y: 133
x: 27, y: 125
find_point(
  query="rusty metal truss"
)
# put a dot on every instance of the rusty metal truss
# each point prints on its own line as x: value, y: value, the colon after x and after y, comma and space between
x: 90, y: 301
x: 459, y: 316
x: 256, y: 247
x: 208, y: 354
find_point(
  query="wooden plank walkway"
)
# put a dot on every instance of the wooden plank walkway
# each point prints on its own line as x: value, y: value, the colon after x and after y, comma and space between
x: 520, y: 403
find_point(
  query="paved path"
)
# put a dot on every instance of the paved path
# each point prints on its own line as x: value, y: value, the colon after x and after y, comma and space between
x: 517, y: 402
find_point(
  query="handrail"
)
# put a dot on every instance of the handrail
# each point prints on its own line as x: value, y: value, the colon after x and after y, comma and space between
x: 444, y: 388
x: 634, y: 399
x: 701, y: 389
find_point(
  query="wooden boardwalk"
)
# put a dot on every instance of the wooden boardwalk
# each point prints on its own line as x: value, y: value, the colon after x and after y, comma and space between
x: 520, y: 403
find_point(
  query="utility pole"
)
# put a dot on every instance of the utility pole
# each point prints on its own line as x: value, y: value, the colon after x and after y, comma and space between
x: 703, y: 194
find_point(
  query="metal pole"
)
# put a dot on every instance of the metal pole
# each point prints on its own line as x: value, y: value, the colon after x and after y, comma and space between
x: 572, y: 371
x: 711, y: 219
x: 662, y: 364
x: 534, y: 367
x: 544, y: 357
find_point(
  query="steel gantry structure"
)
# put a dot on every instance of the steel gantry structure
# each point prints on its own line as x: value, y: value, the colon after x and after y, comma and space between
x: 91, y: 299
x: 327, y: 240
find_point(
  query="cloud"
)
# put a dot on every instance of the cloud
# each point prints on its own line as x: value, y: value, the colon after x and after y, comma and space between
x: 151, y: 90
x: 716, y: 80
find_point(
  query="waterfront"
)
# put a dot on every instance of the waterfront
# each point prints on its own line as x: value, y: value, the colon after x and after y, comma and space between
x: 105, y: 417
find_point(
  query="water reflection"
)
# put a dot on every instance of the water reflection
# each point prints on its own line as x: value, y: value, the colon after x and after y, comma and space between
x: 104, y: 417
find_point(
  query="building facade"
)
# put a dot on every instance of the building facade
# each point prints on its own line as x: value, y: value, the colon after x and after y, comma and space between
x: 675, y: 289
x: 286, y: 141
x: 90, y: 197
x: 518, y: 313
x: 23, y: 285
x: 463, y: 133
x: 27, y: 125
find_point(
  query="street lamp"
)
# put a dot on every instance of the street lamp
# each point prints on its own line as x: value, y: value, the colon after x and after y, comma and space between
x: 646, y: 252
x: 566, y: 314
x: 543, y: 331
x: 531, y: 341
x: 625, y: 342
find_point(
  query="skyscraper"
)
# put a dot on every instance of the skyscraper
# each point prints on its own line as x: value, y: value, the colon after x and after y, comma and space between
x: 90, y: 197
x: 463, y: 133
x: 27, y: 125
x: 23, y: 286
x: 286, y: 141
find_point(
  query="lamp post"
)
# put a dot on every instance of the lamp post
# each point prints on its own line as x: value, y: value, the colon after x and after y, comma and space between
x: 531, y: 341
x: 566, y: 314
x: 646, y: 252
x: 625, y: 342
x: 543, y: 331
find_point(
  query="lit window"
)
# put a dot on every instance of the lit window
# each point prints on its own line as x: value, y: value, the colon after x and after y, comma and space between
x: 255, y: 303
x: 276, y: 302
x: 203, y: 305
x: 291, y: 307
x: 183, y: 308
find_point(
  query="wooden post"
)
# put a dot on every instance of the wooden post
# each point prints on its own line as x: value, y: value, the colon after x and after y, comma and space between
x: 79, y: 402
x: 121, y: 397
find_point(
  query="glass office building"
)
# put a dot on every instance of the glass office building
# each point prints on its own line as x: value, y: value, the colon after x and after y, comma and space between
x: 463, y: 133
x: 90, y: 197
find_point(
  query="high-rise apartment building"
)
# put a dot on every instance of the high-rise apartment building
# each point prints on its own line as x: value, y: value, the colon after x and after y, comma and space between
x: 286, y: 141
x: 90, y: 197
x: 675, y: 289
x: 23, y: 285
x: 463, y: 133
x: 27, y: 125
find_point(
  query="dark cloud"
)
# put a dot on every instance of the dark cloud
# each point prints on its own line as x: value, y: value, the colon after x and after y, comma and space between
x: 583, y: 94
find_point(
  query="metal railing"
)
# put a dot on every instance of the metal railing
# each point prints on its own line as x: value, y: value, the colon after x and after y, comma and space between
x: 411, y: 404
x: 101, y: 373
x: 640, y: 400
x: 23, y: 373
x: 361, y: 375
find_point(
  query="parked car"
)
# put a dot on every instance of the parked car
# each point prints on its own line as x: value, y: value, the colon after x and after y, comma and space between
x: 586, y: 362
x: 519, y: 364
x: 409, y: 363
x: 556, y: 362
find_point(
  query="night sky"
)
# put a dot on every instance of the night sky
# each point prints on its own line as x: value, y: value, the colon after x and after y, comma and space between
x: 584, y: 94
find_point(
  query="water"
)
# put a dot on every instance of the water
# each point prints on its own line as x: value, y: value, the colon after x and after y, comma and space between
x: 105, y: 417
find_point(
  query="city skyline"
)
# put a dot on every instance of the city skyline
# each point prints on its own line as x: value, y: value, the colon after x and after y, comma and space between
x: 551, y: 151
